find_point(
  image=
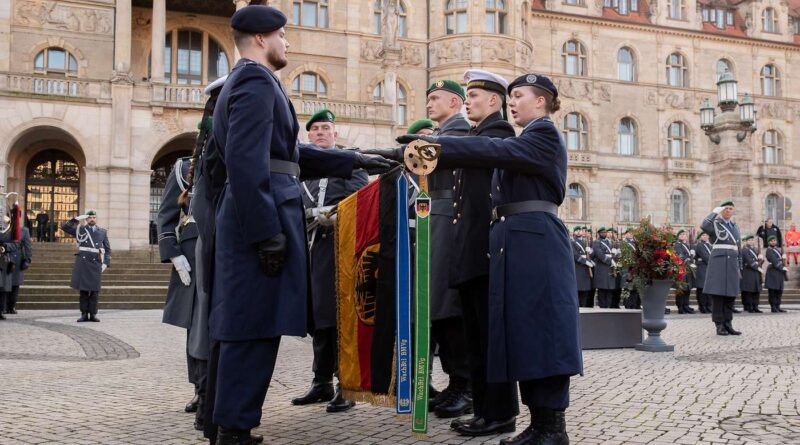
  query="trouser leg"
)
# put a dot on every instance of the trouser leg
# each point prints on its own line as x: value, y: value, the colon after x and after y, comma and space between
x: 549, y: 392
x: 84, y: 301
x: 94, y: 298
x: 450, y: 336
x: 717, y: 308
x: 209, y: 427
x: 13, y: 297
x: 727, y: 306
x: 772, y: 299
x: 616, y: 296
x: 324, y: 342
x: 244, y: 374
x: 604, y: 298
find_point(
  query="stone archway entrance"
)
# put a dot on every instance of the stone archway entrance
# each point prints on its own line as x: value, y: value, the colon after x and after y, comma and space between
x: 162, y: 166
x: 52, y: 188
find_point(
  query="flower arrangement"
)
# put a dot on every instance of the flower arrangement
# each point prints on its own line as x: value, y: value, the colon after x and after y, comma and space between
x: 653, y: 257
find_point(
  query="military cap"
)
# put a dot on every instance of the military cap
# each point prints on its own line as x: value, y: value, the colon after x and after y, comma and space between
x: 747, y: 237
x: 448, y: 85
x: 679, y: 232
x: 485, y: 80
x: 535, y: 80
x: 418, y: 125
x: 772, y: 237
x: 91, y: 212
x: 323, y: 115
x: 602, y: 229
x: 577, y: 229
x: 258, y: 19
x: 627, y: 230
x: 588, y: 229
x: 726, y: 204
x: 215, y: 86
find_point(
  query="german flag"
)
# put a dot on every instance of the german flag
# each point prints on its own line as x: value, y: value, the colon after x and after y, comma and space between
x: 365, y: 285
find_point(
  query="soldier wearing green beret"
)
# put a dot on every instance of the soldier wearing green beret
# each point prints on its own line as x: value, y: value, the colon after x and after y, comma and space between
x: 751, y: 283
x: 422, y: 126
x: 702, y: 254
x: 724, y: 266
x: 776, y: 274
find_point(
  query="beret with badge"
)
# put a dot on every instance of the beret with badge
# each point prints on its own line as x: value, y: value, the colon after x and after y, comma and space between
x: 537, y: 81
x: 323, y: 115
x: 418, y: 125
x: 449, y: 86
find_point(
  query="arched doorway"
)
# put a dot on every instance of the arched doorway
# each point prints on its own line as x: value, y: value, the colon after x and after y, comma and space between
x: 52, y: 186
x: 162, y: 167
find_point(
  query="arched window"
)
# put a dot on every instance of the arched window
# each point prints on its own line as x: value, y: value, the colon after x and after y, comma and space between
x: 678, y: 140
x: 455, y: 16
x: 573, y: 58
x: 377, y: 18
x: 679, y: 207
x: 769, y: 19
x: 770, y: 81
x: 496, y: 12
x: 309, y: 84
x: 626, y: 144
x: 185, y: 66
x: 576, y: 134
x: 626, y: 66
x: 52, y: 185
x: 772, y: 147
x: 311, y: 13
x: 378, y: 95
x: 677, y: 72
x: 55, y: 61
x: 774, y: 208
x: 628, y: 205
x: 723, y: 66
x: 576, y: 202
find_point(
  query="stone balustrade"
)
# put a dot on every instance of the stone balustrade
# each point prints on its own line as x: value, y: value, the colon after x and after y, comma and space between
x: 343, y: 109
x: 49, y: 86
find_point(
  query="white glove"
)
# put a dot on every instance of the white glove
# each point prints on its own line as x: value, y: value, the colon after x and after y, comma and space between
x: 717, y: 210
x: 615, y: 251
x: 608, y: 256
x: 326, y: 220
x: 785, y: 269
x: 183, y: 268
x: 691, y: 252
x: 589, y: 250
x: 590, y: 263
x: 103, y: 268
x: 760, y: 256
x: 81, y: 217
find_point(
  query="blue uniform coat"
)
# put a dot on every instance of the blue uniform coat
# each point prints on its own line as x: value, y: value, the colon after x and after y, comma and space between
x: 22, y: 257
x: 775, y: 271
x: 751, y: 275
x: 702, y: 253
x: 603, y: 259
x: 88, y: 265
x: 724, y: 266
x: 534, y: 328
x: 254, y: 123
x: 583, y: 276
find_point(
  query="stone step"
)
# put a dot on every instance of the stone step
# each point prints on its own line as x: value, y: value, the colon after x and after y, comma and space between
x: 32, y: 291
x: 26, y: 305
x: 73, y: 297
x: 107, y: 281
x: 67, y: 267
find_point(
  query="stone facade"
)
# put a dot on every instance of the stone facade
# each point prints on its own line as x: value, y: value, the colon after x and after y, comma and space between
x: 370, y: 62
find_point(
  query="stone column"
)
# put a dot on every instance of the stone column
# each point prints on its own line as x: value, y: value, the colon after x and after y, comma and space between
x: 122, y: 37
x: 239, y: 5
x: 158, y: 33
x: 729, y: 159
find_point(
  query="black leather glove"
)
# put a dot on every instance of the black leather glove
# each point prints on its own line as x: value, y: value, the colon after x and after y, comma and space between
x: 394, y: 154
x: 25, y: 265
x: 408, y: 138
x: 272, y: 254
x: 374, y: 165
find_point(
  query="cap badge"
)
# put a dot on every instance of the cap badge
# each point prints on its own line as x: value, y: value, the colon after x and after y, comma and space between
x: 440, y: 84
x: 530, y: 79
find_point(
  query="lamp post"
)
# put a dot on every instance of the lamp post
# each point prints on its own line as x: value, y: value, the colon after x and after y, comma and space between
x: 744, y: 122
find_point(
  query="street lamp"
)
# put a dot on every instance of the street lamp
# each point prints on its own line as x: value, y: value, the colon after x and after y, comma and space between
x: 747, y: 110
x: 728, y: 99
x: 707, y: 115
x: 727, y: 91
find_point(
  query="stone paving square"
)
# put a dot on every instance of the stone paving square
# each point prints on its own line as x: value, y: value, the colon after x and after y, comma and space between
x: 123, y: 381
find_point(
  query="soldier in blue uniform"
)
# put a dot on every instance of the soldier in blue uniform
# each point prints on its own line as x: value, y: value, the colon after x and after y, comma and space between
x: 776, y: 273
x: 259, y: 290
x: 603, y: 254
x: 319, y: 197
x: 22, y: 260
x: 724, y: 267
x: 634, y: 300
x: 751, y: 282
x: 534, y: 333
x: 91, y: 260
x: 8, y: 249
x: 702, y: 254
x: 683, y: 288
x: 583, y: 266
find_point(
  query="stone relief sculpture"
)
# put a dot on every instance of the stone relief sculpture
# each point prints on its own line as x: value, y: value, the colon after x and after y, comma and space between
x: 411, y: 55
x: 52, y: 15
x: 391, y: 24
x: 452, y: 51
x: 371, y: 50
x: 497, y: 50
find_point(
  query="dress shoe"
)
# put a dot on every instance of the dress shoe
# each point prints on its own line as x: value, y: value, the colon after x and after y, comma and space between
x: 432, y: 392
x: 681, y: 310
x: 779, y: 309
x: 319, y: 392
x: 2, y: 317
x: 339, y: 404
x: 756, y: 310
x: 11, y: 311
x: 773, y: 309
x: 198, y: 424
x: 191, y: 407
x: 234, y: 437
x: 667, y: 311
x: 736, y: 311
x: 457, y: 404
x: 84, y: 317
x: 483, y: 427
x: 463, y: 421
x: 94, y: 319
x: 721, y: 329
x: 729, y: 327
x: 688, y: 309
x: 437, y: 400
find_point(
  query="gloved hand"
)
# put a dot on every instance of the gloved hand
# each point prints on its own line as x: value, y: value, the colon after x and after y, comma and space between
x: 325, y: 219
x: 374, y: 165
x: 760, y: 256
x: 589, y: 250
x: 590, y: 263
x: 103, y: 268
x: 272, y: 254
x: 183, y: 268
x: 691, y: 252
x: 81, y: 217
x: 408, y: 138
x: 785, y: 269
x: 615, y: 251
x: 717, y: 210
x: 394, y: 154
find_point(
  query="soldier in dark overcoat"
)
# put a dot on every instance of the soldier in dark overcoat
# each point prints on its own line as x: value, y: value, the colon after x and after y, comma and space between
x: 702, y: 254
x: 22, y: 260
x: 724, y: 267
x: 776, y: 274
x: 583, y: 266
x: 91, y: 260
x: 683, y: 288
x: 751, y: 282
x: 634, y: 300
x: 603, y: 254
x: 8, y: 249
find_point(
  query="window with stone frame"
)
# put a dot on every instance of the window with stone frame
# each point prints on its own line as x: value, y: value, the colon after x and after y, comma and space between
x: 773, y: 208
x: 184, y: 58
x: 796, y: 25
x: 378, y: 95
x: 626, y: 65
x: 576, y: 202
x: 309, y: 84
x: 377, y: 18
x: 55, y: 61
x: 623, y: 7
x: 310, y: 13
x: 573, y: 58
x: 496, y: 16
x: 769, y: 20
x: 576, y: 132
x: 678, y: 140
x: 772, y: 147
x: 679, y: 207
x: 574, y: 2
x: 455, y: 16
x: 770, y: 81
x: 720, y: 17
x: 723, y: 66
x: 676, y: 9
x: 628, y: 205
x: 626, y: 137
x: 677, y: 70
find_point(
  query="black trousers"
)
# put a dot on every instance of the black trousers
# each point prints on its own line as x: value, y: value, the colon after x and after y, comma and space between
x: 12, y: 298
x: 198, y: 374
x: 549, y: 392
x: 634, y: 300
x: 492, y: 401
x: 209, y: 427
x: 722, y: 308
x: 41, y: 232
x: 586, y: 298
x: 88, y: 301
x: 325, y: 343
x: 616, y: 296
x: 702, y: 299
x: 604, y: 297
x: 4, y: 297
x: 449, y: 334
x: 775, y: 296
x: 750, y: 300
x: 244, y: 373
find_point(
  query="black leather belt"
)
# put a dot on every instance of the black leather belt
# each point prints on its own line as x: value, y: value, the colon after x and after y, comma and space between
x: 441, y: 194
x: 284, y: 167
x: 524, y: 207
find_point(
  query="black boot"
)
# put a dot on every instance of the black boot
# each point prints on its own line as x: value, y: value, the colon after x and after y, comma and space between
x: 94, y: 318
x: 551, y: 427
x: 2, y: 317
x: 84, y: 317
x: 688, y: 309
x: 191, y: 407
x: 234, y: 437
x: 441, y: 396
x: 721, y: 329
x: 339, y: 404
x: 778, y: 307
x: 483, y: 427
x: 773, y: 308
x: 457, y: 402
x: 729, y: 327
x: 523, y: 438
x: 319, y: 392
x: 463, y: 421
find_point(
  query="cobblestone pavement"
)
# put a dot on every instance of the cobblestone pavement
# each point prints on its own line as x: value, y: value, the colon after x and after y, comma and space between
x: 123, y: 381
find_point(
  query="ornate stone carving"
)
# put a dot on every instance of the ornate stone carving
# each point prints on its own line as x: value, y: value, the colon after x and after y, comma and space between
x: 774, y: 110
x: 451, y: 51
x: 52, y: 15
x: 577, y: 89
x: 680, y: 101
x: 524, y: 52
x: 122, y: 77
x: 167, y: 123
x: 411, y: 55
x: 371, y: 50
x: 391, y: 24
x: 497, y: 50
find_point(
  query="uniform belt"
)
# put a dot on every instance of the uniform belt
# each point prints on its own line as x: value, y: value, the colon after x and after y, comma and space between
x: 524, y: 207
x: 88, y: 249
x: 441, y: 194
x: 724, y: 246
x: 284, y: 167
